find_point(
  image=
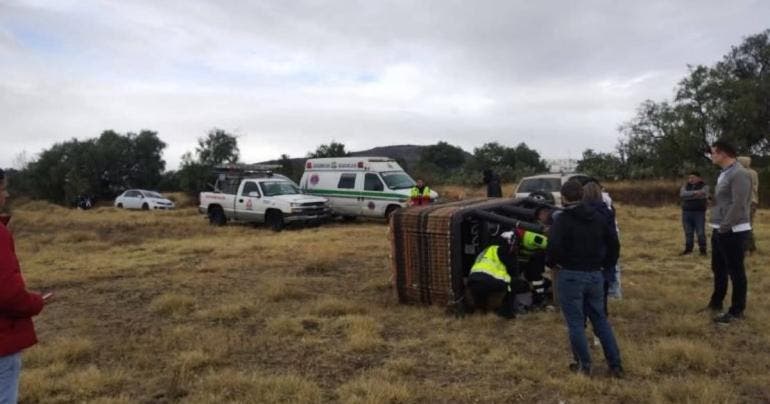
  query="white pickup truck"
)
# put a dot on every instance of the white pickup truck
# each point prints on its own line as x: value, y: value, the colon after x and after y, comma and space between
x: 267, y: 198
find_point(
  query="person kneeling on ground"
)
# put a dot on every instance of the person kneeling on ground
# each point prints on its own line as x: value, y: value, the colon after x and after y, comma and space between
x: 489, y: 282
x: 580, y: 244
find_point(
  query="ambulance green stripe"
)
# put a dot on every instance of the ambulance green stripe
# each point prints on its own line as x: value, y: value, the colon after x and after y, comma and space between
x: 357, y: 194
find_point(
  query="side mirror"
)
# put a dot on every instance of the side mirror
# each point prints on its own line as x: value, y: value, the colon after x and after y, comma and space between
x: 254, y: 194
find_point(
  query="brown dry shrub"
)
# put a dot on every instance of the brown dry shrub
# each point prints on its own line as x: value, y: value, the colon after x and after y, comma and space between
x: 373, y: 390
x: 172, y: 304
x: 234, y: 386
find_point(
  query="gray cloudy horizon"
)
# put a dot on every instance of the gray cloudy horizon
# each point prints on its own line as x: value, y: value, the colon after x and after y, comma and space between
x: 286, y: 76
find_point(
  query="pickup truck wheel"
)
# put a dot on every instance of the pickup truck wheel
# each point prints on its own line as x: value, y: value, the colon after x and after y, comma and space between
x: 120, y: 206
x: 275, y: 220
x: 217, y: 216
x: 145, y: 207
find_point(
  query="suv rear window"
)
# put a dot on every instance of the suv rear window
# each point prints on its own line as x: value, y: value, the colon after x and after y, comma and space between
x: 541, y: 185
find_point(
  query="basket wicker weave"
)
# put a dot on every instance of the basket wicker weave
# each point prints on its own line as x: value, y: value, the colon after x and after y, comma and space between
x: 434, y: 246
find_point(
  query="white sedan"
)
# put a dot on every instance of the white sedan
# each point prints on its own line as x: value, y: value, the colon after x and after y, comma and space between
x: 141, y: 199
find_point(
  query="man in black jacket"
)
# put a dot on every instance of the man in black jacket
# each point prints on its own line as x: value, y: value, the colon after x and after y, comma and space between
x: 493, y: 184
x: 694, y: 195
x: 581, y: 243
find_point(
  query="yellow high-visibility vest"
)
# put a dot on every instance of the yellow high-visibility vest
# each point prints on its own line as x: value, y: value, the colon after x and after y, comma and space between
x: 489, y: 263
x: 416, y: 192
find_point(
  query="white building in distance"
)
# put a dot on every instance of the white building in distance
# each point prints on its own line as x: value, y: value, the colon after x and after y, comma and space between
x: 562, y: 165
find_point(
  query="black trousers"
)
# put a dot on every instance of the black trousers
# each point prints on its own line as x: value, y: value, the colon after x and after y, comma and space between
x: 484, y: 288
x: 727, y: 253
x: 533, y: 271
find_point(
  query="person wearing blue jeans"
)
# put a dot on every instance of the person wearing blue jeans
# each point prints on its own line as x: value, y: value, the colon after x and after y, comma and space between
x: 17, y: 307
x: 581, y: 295
x: 10, y: 369
x: 581, y: 243
x: 694, y: 195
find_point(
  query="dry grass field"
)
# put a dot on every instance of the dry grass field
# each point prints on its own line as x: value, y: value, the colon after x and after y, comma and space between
x: 161, y: 307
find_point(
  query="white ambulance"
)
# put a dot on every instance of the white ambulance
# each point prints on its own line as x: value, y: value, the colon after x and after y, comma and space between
x: 359, y: 186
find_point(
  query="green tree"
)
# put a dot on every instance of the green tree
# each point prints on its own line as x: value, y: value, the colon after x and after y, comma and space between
x: 601, y: 165
x: 528, y: 160
x: 493, y: 156
x: 289, y: 168
x: 217, y: 147
x: 99, y: 167
x: 147, y: 166
x: 194, y: 176
x: 333, y: 149
x: 444, y: 156
x: 729, y: 100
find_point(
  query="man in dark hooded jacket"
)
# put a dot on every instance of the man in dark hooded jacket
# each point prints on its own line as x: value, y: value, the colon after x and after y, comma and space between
x: 581, y: 243
x: 493, y: 184
x: 694, y: 195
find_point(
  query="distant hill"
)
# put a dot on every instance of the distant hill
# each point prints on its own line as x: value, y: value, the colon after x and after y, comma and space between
x: 408, y: 155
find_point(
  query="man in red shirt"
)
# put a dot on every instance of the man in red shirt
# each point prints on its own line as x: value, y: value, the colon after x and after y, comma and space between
x: 17, y: 307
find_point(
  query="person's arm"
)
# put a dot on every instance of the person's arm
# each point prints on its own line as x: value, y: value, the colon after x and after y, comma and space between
x: 705, y: 191
x: 509, y: 260
x: 555, y: 251
x: 15, y: 300
x: 612, y: 244
x: 612, y: 224
x: 740, y: 189
x: 685, y: 194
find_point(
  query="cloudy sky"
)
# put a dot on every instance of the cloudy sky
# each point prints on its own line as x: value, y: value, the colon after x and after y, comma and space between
x: 287, y: 76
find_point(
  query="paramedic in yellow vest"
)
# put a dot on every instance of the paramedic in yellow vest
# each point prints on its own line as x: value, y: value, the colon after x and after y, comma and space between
x: 420, y: 194
x: 489, y: 281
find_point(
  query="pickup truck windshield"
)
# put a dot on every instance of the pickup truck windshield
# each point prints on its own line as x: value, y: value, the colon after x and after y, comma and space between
x: 397, y: 180
x: 273, y: 188
x: 540, y: 185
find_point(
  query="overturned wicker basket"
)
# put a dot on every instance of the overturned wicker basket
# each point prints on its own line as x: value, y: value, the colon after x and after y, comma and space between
x: 433, y: 247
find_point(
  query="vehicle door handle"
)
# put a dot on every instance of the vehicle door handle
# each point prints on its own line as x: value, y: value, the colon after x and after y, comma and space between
x: 240, y: 200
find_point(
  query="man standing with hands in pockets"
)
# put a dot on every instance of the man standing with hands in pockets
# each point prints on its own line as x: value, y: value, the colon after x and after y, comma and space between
x: 731, y: 224
x: 694, y: 195
x: 17, y: 307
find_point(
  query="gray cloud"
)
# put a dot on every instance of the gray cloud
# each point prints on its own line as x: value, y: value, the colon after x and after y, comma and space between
x: 287, y: 76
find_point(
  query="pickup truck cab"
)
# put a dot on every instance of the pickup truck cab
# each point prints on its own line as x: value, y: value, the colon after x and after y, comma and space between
x: 547, y: 187
x: 254, y: 196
